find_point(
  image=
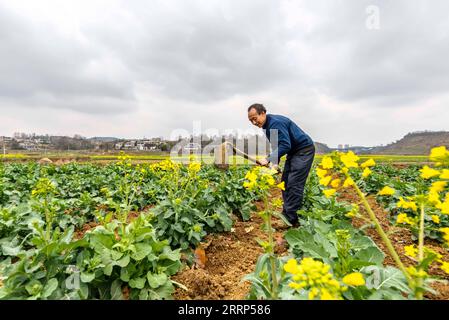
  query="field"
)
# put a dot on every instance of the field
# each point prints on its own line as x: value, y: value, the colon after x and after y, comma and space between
x: 148, y: 228
x: 159, y: 156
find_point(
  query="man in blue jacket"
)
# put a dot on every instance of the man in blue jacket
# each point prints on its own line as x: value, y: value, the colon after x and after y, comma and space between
x: 300, y: 151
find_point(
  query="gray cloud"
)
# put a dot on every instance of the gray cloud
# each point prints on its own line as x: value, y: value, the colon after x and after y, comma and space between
x: 140, y: 63
x: 41, y: 66
x: 201, y: 55
x: 401, y: 62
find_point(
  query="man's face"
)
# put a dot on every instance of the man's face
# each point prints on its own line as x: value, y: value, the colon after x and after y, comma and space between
x: 257, y: 119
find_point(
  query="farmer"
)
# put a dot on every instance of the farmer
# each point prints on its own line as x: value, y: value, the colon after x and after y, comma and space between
x: 298, y: 147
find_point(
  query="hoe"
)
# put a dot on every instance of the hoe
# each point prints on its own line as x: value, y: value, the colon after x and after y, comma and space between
x: 221, y: 155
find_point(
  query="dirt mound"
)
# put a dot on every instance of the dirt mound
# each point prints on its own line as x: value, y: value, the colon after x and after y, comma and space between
x: 79, y: 234
x: 230, y: 256
x: 61, y: 162
x: 45, y: 161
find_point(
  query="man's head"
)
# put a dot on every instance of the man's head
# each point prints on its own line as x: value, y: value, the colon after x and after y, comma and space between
x: 257, y: 114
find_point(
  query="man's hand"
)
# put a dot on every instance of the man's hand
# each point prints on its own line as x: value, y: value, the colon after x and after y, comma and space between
x: 263, y: 162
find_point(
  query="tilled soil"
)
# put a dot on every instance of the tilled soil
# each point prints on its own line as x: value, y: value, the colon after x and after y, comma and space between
x: 230, y: 256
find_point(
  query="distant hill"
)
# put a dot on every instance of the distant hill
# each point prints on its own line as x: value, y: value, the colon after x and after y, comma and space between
x: 322, y: 148
x: 416, y: 143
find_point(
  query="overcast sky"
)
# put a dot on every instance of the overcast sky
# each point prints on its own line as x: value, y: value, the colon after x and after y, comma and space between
x: 347, y: 72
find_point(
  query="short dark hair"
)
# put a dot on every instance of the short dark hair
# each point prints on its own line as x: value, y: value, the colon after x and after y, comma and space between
x: 259, y: 108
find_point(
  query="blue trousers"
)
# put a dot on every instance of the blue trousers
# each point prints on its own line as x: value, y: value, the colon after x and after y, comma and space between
x: 296, y: 171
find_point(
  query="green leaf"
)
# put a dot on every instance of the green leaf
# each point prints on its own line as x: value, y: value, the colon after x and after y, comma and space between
x: 163, y: 292
x: 372, y: 255
x: 159, y: 246
x: 173, y: 255
x: 379, y: 278
x: 261, y: 291
x: 116, y: 290
x: 142, y: 250
x: 49, y: 287
x: 33, y: 287
x: 429, y: 257
x: 362, y: 242
x: 295, y: 237
x: 123, y: 262
x: 178, y: 228
x: 144, y: 294
x: 170, y: 267
x: 83, y: 291
x: 108, y: 269
x: 10, y: 250
x: 124, y: 274
x: 115, y: 255
x: 156, y: 280
x: 87, y: 277
x: 100, y: 240
x: 137, y: 283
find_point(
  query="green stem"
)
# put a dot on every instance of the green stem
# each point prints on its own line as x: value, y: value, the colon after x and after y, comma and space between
x: 382, y: 233
x: 47, y: 220
x: 419, y: 293
x: 274, y: 288
x: 421, y: 235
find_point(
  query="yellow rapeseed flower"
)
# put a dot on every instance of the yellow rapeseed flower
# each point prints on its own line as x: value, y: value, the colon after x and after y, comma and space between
x: 411, y: 251
x: 335, y: 183
x: 251, y: 176
x: 321, y: 173
x: 445, y: 232
x: 194, y: 167
x: 354, y: 211
x: 412, y: 271
x: 264, y: 171
x: 281, y: 186
x: 445, y: 266
x: 444, y: 206
x: 249, y: 185
x: 434, y: 198
x: 368, y: 163
x: 406, y: 204
x: 428, y: 173
x: 386, y: 191
x: 314, y: 276
x: 436, y: 154
x: 404, y: 219
x: 291, y: 266
x: 348, y: 182
x: 366, y: 172
x: 166, y: 165
x: 278, y: 203
x: 329, y: 192
x: 327, y: 163
x: 435, y: 218
x: 438, y: 186
x: 445, y: 174
x: 270, y: 180
x: 349, y: 159
x: 325, y: 181
x: 325, y: 295
x: 296, y: 286
x: 354, y: 279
